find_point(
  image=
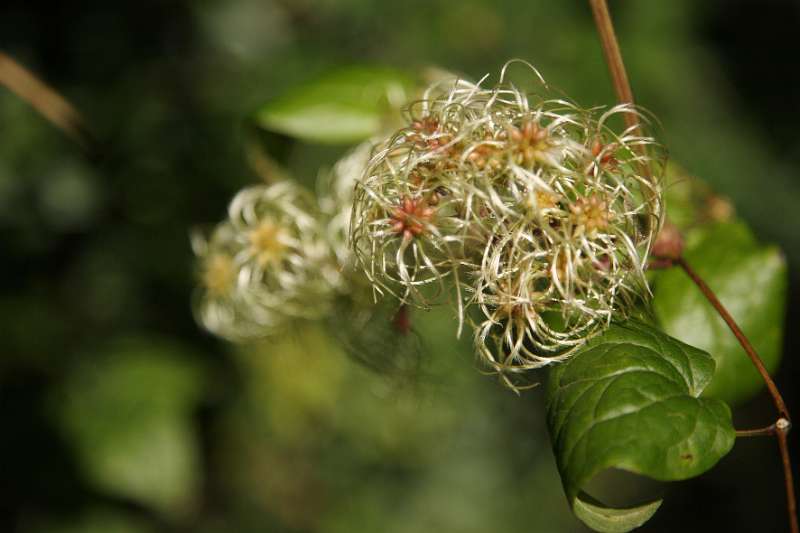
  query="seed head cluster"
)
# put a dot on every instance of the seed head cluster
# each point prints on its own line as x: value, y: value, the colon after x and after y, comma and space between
x: 540, y: 214
x: 531, y: 216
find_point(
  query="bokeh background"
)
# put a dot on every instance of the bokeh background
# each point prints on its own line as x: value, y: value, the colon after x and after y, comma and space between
x: 120, y: 415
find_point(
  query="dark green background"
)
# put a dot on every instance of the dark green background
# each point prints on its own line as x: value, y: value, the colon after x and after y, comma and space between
x: 119, y: 414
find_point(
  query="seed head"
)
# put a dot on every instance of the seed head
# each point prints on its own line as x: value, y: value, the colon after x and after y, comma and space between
x: 217, y: 303
x: 268, y: 264
x: 546, y: 224
x: 590, y: 215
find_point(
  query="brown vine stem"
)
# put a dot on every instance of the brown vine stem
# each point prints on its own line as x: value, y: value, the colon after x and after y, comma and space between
x: 791, y: 500
x: 611, y: 51
x: 780, y: 405
x: 781, y: 427
x: 768, y: 431
x: 619, y: 76
x: 45, y: 100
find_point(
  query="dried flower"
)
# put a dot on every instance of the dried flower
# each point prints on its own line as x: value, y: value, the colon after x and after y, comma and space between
x: 217, y: 303
x: 285, y: 264
x: 267, y: 264
x: 406, y: 230
x: 540, y: 212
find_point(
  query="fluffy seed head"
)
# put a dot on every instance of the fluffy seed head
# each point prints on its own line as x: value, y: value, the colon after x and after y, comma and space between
x: 541, y: 212
x: 217, y: 303
x: 267, y: 264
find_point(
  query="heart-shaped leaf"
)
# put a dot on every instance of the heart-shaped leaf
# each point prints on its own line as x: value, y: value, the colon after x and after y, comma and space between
x: 629, y: 399
x: 750, y: 280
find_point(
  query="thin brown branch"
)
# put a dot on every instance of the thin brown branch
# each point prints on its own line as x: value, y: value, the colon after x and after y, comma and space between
x: 780, y: 405
x: 768, y: 431
x: 791, y: 500
x: 782, y: 426
x: 611, y: 51
x: 44, y: 99
x: 619, y: 77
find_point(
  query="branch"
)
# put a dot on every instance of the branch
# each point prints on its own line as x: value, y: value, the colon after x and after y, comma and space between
x: 45, y: 100
x: 611, y: 51
x: 780, y: 405
x: 791, y: 500
x: 768, y: 431
x: 781, y: 428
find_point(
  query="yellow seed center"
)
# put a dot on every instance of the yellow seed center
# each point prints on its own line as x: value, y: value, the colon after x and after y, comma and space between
x: 542, y: 200
x: 219, y: 274
x: 266, y: 242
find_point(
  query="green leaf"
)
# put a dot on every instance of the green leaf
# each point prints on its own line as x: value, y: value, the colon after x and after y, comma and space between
x: 751, y: 281
x: 603, y: 518
x: 629, y: 399
x: 128, y: 416
x: 347, y: 106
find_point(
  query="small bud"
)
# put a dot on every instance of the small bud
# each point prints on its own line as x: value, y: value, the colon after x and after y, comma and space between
x: 719, y: 208
x: 669, y: 243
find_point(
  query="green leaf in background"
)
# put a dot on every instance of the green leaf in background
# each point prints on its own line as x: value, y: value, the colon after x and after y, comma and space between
x: 750, y: 280
x: 629, y: 400
x: 346, y: 106
x: 128, y: 417
x: 691, y: 202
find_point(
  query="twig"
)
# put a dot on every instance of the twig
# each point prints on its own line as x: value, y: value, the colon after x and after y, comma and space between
x: 619, y: 78
x: 45, y: 100
x: 781, y: 427
x: 608, y: 40
x: 768, y: 431
x: 780, y: 405
x: 791, y: 500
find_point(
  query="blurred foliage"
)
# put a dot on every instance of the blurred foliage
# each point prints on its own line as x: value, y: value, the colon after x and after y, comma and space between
x: 126, y: 411
x: 120, y: 415
x: 343, y: 107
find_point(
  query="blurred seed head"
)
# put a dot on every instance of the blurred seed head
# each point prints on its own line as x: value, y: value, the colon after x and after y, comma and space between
x: 535, y: 212
x: 217, y: 303
x: 337, y: 190
x: 267, y: 264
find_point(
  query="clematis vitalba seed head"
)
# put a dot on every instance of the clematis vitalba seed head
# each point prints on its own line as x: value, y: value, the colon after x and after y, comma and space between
x: 541, y: 214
